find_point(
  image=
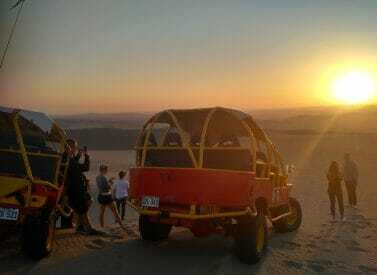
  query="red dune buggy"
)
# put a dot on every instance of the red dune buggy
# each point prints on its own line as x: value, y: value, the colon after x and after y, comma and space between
x: 212, y: 171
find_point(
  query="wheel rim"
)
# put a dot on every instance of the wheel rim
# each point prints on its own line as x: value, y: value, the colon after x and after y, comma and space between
x: 292, y: 218
x: 260, y: 239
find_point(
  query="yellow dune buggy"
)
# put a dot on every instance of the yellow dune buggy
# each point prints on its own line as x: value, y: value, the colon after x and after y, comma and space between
x: 32, y: 175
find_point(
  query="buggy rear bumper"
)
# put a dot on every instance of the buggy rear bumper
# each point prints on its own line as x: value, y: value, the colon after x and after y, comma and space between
x: 192, y: 215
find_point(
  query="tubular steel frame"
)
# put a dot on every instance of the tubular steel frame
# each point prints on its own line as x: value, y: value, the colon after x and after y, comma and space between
x: 273, y: 156
x: 30, y: 180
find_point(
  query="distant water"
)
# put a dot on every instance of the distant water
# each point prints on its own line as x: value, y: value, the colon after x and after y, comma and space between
x: 116, y: 160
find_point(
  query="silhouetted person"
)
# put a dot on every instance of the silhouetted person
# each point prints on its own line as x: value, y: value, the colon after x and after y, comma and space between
x: 77, y: 186
x: 334, y: 190
x: 351, y: 176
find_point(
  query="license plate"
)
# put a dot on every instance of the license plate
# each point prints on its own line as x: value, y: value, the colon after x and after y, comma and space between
x: 149, y: 201
x: 9, y: 214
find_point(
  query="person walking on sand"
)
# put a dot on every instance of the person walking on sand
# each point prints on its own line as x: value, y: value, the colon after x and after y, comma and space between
x: 334, y: 190
x: 351, y: 176
x: 105, y: 198
x: 120, y: 190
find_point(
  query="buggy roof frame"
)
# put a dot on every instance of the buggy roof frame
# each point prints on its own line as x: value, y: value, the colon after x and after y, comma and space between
x: 254, y: 132
x: 15, y: 117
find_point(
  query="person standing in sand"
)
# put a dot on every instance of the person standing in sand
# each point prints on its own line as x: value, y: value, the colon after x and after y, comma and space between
x: 334, y: 190
x: 120, y: 190
x: 351, y: 176
x: 77, y: 186
x: 105, y: 198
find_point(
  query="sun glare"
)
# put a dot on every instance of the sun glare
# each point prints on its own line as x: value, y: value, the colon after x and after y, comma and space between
x: 354, y: 87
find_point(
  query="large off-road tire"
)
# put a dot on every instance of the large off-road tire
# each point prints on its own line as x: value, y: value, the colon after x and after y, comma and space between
x: 38, y: 236
x: 151, y: 231
x: 251, y: 238
x: 291, y: 222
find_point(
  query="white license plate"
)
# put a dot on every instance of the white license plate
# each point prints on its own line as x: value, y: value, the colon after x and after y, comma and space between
x: 9, y: 214
x: 149, y: 201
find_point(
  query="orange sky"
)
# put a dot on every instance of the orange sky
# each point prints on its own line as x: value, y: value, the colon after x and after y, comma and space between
x: 67, y: 58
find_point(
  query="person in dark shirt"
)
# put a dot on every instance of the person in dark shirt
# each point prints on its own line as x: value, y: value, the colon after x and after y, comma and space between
x: 105, y: 197
x: 77, y: 186
x: 334, y: 190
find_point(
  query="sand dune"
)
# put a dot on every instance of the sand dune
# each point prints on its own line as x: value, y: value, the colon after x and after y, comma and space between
x: 320, y: 246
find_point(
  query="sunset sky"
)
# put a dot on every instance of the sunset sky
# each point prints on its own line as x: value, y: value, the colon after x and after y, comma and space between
x: 119, y: 56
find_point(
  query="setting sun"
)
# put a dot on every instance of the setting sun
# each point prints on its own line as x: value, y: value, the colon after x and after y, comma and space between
x: 354, y: 87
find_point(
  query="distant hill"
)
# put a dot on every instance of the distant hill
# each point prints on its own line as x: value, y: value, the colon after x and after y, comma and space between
x: 362, y: 120
x: 105, y: 138
x: 316, y: 118
x: 118, y: 120
x: 120, y: 131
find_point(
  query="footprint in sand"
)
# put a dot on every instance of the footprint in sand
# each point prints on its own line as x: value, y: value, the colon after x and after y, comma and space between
x: 320, y: 265
x: 311, y: 245
x: 323, y: 263
x: 356, y: 249
x: 350, y: 243
x: 96, y: 244
x: 91, y: 246
x: 367, y: 269
x: 293, y: 264
x: 316, y: 268
x: 290, y: 245
x: 328, y: 242
x: 340, y: 264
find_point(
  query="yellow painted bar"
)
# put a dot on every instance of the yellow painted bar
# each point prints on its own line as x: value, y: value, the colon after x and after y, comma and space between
x: 24, y: 156
x: 11, y: 151
x: 44, y: 155
x: 12, y: 184
x: 204, y: 135
x: 195, y: 148
x: 190, y: 216
x: 148, y: 133
x: 184, y: 141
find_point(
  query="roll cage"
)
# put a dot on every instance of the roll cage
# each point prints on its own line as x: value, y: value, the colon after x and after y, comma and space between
x: 31, y: 151
x: 211, y: 138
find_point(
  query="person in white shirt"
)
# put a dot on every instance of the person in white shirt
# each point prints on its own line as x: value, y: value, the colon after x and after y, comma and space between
x: 120, y: 192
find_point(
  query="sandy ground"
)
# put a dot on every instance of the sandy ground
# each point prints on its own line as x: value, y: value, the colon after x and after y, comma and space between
x: 319, y: 246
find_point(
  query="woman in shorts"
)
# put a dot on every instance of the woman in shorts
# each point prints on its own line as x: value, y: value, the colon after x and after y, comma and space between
x: 334, y: 189
x: 105, y: 198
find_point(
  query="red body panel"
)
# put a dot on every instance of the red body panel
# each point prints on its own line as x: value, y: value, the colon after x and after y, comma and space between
x: 200, y: 186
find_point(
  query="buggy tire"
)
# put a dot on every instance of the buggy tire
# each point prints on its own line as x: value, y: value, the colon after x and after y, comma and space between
x: 291, y: 222
x: 151, y: 231
x: 251, y: 239
x: 38, y: 236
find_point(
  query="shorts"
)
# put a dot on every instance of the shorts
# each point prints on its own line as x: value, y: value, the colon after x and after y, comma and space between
x: 105, y: 199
